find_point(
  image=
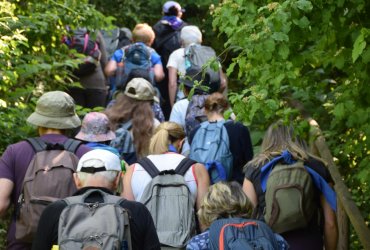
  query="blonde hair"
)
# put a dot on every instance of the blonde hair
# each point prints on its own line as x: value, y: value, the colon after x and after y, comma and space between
x: 216, y: 102
x: 165, y: 134
x: 278, y: 137
x: 143, y: 33
x: 224, y: 200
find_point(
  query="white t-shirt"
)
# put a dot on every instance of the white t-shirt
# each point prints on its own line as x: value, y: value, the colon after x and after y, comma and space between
x: 178, y: 112
x: 140, y: 178
x: 177, y: 61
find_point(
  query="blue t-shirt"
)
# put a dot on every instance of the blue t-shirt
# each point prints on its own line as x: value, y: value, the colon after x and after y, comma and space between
x: 155, y: 58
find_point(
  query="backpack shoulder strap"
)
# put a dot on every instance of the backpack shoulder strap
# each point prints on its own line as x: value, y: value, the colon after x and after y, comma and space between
x: 184, y: 165
x: 37, y: 144
x: 167, y: 37
x: 71, y: 145
x: 127, y: 125
x: 149, y: 167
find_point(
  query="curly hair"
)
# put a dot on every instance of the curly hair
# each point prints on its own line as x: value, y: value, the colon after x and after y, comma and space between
x: 224, y: 200
x: 140, y: 113
x: 165, y: 134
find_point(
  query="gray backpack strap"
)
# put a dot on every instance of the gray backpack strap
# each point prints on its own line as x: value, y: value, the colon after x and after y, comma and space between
x: 127, y: 125
x: 149, y: 167
x: 71, y: 145
x: 184, y: 166
x: 37, y: 144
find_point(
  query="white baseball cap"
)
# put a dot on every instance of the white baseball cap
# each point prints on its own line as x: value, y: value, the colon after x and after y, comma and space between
x: 99, y: 160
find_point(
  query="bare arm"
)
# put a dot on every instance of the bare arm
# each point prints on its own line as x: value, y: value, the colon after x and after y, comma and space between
x: 158, y: 72
x: 6, y: 188
x: 223, y: 83
x: 110, y: 68
x: 127, y: 190
x: 203, y: 183
x: 330, y: 225
x: 172, y: 84
x: 249, y: 190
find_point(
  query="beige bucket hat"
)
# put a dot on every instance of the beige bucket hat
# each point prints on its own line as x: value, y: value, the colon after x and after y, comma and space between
x: 55, y: 109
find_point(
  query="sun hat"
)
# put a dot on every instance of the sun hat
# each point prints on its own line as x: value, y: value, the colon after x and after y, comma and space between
x: 55, y: 109
x: 169, y: 4
x: 95, y: 128
x: 141, y: 89
x: 99, y: 160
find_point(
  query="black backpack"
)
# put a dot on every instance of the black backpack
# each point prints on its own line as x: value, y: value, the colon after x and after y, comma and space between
x: 82, y: 42
x: 168, y: 40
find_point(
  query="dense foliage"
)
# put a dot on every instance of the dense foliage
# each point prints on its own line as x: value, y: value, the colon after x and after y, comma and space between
x: 314, y: 52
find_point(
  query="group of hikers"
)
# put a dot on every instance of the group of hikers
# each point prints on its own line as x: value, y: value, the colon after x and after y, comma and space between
x: 165, y: 165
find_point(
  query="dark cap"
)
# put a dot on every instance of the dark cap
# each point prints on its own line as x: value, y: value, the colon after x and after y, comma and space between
x: 195, y: 74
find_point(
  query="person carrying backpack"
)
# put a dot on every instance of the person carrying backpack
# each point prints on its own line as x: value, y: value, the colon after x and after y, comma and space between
x: 167, y: 33
x: 169, y: 185
x: 54, y: 116
x: 225, y: 217
x: 284, y: 177
x: 95, y: 132
x: 193, y: 56
x: 94, y: 218
x: 132, y: 119
x: 90, y: 72
x: 223, y: 146
x: 138, y: 55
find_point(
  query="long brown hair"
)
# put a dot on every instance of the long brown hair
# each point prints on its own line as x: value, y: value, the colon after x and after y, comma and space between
x: 141, y: 115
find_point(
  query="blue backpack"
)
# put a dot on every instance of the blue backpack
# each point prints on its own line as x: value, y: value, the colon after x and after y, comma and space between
x: 243, y: 234
x: 135, y: 56
x: 211, y: 147
x: 124, y: 143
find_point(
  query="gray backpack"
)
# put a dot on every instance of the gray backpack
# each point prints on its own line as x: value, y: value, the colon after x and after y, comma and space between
x: 84, y: 225
x: 170, y: 203
x: 49, y: 177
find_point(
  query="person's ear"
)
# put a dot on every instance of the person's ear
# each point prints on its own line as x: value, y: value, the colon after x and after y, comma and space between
x: 179, y: 145
x: 117, y: 180
x: 77, y: 181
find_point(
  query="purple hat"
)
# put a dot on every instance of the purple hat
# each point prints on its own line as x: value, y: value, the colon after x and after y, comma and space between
x: 95, y: 128
x: 169, y: 4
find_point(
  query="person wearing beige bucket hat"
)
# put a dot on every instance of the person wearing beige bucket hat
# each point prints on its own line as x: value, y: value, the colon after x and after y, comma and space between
x: 53, y: 116
x: 134, y: 106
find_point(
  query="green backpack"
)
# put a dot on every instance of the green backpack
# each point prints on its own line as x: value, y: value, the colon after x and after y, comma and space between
x: 289, y: 197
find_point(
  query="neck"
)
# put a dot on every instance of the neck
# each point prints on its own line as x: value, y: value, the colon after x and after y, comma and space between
x: 44, y: 131
x: 214, y: 117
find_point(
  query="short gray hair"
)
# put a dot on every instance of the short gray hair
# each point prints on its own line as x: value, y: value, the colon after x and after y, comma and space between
x: 191, y: 34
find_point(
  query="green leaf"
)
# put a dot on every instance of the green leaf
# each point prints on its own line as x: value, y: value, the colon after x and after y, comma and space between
x: 304, y: 5
x: 279, y: 36
x: 358, y: 47
x: 302, y: 23
x: 339, y: 111
x: 283, y: 51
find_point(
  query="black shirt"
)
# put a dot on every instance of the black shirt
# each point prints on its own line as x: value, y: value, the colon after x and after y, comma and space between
x: 143, y: 232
